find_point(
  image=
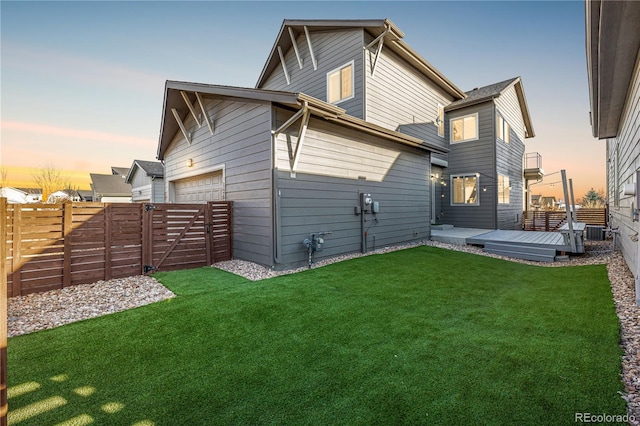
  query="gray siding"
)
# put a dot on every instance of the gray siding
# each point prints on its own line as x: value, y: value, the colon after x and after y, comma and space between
x: 157, y: 191
x: 337, y: 164
x: 140, y: 186
x: 509, y: 160
x: 509, y: 163
x: 241, y: 146
x: 332, y: 50
x: 508, y: 105
x: 624, y: 155
x: 477, y: 156
x: 398, y: 97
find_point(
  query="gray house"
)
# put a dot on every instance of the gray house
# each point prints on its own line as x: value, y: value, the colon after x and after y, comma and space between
x: 147, y: 181
x: 613, y: 66
x: 347, y: 131
x: 481, y: 181
x: 110, y: 188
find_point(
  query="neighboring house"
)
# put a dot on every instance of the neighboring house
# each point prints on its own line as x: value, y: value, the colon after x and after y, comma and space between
x: 85, y: 195
x: 13, y: 195
x: 613, y: 66
x: 120, y: 171
x: 342, y: 109
x: 34, y: 195
x: 548, y: 203
x: 110, y: 188
x: 147, y: 181
x: 64, y: 195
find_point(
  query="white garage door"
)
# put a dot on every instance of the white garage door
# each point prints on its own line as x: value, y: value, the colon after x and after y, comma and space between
x: 200, y: 189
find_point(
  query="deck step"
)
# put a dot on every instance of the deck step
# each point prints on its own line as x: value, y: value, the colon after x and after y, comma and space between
x: 519, y: 251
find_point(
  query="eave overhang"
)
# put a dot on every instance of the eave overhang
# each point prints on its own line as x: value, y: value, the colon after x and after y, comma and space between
x: 173, y: 100
x: 612, y: 49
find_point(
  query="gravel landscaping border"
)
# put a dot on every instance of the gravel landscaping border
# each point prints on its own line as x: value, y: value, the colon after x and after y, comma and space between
x: 40, y: 311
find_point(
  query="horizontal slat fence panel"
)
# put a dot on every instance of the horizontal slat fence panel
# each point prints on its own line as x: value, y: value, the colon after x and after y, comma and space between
x: 51, y: 246
x: 552, y: 220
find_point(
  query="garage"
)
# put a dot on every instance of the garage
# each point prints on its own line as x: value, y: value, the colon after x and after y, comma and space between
x: 200, y: 189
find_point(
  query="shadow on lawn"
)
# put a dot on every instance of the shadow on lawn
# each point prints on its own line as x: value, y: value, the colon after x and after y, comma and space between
x: 81, y: 404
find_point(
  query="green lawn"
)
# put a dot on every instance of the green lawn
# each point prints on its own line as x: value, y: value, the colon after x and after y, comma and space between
x: 419, y: 336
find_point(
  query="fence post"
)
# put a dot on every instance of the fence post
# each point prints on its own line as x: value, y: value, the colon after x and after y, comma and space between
x: 67, y: 226
x: 546, y: 221
x: 145, y: 241
x: 16, y: 263
x: 107, y: 242
x: 3, y: 313
x: 209, y: 242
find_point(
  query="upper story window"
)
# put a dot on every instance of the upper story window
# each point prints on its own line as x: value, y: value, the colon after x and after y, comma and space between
x: 340, y: 84
x: 503, y: 189
x: 464, y: 128
x: 464, y: 189
x: 504, y: 130
x: 440, y: 120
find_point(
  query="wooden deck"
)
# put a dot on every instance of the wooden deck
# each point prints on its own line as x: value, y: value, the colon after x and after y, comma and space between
x: 527, y: 238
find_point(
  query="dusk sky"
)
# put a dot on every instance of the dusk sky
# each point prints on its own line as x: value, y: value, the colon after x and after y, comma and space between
x: 82, y: 83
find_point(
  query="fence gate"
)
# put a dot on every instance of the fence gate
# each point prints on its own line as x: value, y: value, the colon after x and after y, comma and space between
x: 179, y: 236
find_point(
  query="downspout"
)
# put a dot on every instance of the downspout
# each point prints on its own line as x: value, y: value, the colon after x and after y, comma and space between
x: 275, y: 204
x: 495, y: 164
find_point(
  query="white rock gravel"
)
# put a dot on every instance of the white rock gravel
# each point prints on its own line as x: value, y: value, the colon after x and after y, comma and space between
x: 40, y: 311
x: 54, y: 308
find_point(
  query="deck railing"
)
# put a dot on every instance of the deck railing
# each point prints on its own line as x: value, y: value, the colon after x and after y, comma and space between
x: 552, y: 220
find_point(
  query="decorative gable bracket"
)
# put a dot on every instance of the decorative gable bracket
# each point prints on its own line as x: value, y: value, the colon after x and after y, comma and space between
x: 297, y: 53
x: 373, y: 58
x: 294, y: 156
x: 196, y: 117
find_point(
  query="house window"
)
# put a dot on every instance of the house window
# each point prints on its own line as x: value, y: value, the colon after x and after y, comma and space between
x: 503, y: 130
x: 464, y: 189
x: 440, y: 120
x: 464, y: 128
x: 503, y: 189
x: 340, y: 84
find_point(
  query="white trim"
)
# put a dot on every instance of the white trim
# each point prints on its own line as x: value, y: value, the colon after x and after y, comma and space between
x: 186, y: 134
x: 440, y: 108
x: 462, y: 117
x: 205, y: 116
x: 451, y: 191
x: 313, y: 56
x: 508, y: 189
x: 505, y: 126
x: 295, y: 47
x: 191, y: 110
x: 284, y: 65
x: 353, y: 88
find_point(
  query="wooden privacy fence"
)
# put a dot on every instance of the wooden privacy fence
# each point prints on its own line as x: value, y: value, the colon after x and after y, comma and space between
x: 51, y: 246
x: 552, y: 220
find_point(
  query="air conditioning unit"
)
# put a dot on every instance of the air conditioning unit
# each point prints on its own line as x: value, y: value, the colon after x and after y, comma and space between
x: 595, y: 232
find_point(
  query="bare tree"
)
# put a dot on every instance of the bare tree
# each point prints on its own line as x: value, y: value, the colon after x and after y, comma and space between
x: 50, y: 179
x: 3, y: 177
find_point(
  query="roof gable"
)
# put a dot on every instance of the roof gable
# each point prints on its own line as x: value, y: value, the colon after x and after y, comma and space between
x: 492, y: 91
x: 110, y: 184
x: 153, y: 169
x: 377, y: 27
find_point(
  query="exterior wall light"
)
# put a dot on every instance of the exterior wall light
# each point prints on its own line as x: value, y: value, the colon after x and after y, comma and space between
x: 189, y: 162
